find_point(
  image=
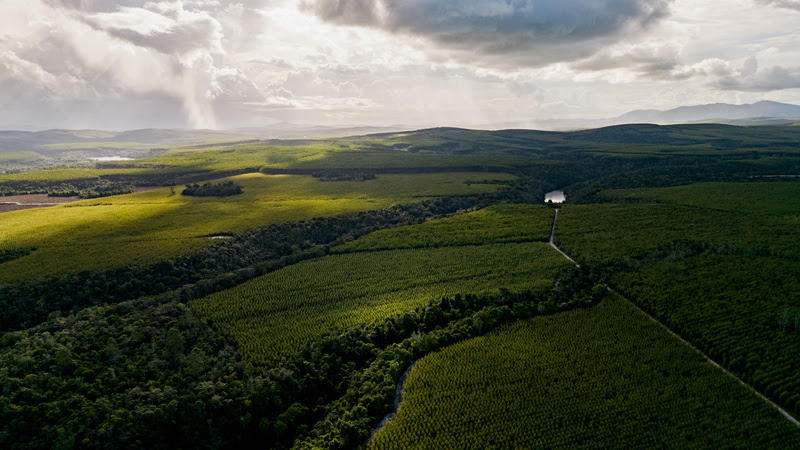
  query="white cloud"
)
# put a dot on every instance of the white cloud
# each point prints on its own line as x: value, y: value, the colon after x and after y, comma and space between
x: 128, y: 64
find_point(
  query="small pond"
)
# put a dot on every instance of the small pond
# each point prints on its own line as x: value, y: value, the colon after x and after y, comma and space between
x: 555, y: 197
x: 111, y: 158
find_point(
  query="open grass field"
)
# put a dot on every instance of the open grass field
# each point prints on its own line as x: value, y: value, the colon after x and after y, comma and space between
x: 156, y: 225
x: 495, y: 224
x: 316, y: 155
x: 273, y: 315
x: 606, y: 377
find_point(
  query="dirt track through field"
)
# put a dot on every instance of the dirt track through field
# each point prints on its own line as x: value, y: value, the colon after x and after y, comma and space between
x: 553, y: 244
x: 783, y: 412
x: 401, y: 383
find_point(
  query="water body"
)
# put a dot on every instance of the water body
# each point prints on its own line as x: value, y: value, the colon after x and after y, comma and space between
x: 555, y: 197
x: 111, y: 158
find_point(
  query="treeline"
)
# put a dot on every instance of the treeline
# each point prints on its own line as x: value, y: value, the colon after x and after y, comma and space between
x: 222, y: 189
x: 103, y: 184
x: 702, y: 170
x: 100, y: 188
x: 149, y: 373
x: 342, y: 175
x: 150, y: 176
x: 9, y: 254
x: 233, y: 261
x: 214, y: 268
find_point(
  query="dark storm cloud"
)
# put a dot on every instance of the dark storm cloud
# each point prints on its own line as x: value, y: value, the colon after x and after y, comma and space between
x: 525, y: 32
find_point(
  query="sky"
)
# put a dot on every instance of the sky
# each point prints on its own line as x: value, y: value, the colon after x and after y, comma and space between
x: 116, y: 65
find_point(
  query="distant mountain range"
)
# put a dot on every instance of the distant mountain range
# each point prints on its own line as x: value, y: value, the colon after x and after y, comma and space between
x: 58, y: 147
x: 712, y: 112
x: 760, y: 113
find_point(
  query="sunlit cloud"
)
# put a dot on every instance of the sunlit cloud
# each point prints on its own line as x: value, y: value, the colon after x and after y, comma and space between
x: 218, y: 64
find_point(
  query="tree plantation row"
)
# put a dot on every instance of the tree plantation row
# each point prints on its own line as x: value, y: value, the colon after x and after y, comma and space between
x: 284, y: 316
x: 273, y: 315
x: 145, y: 372
x: 606, y: 377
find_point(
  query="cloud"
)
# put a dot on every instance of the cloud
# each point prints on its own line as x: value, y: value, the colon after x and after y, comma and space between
x: 791, y: 4
x: 510, y: 32
x: 749, y: 76
x: 28, y: 81
x: 181, y: 34
x: 348, y: 12
x: 775, y: 78
x: 55, y: 54
x: 232, y: 85
x: 648, y: 60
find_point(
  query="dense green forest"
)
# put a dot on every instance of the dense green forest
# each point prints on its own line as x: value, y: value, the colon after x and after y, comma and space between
x: 286, y: 315
x: 222, y: 189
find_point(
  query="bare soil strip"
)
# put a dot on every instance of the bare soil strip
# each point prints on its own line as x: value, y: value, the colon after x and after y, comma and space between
x: 28, y: 201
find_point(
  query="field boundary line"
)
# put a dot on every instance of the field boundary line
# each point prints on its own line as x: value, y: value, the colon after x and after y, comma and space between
x: 785, y: 413
x: 429, y: 247
x: 711, y: 361
x: 553, y: 244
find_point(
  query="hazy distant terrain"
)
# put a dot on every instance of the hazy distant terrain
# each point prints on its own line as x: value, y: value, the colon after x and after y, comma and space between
x: 760, y: 113
x: 25, y: 150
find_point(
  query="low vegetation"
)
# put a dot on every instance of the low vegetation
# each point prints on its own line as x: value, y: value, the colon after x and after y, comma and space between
x: 150, y: 373
x: 156, y: 225
x: 208, y: 270
x: 715, y: 262
x: 274, y: 315
x: 495, y: 224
